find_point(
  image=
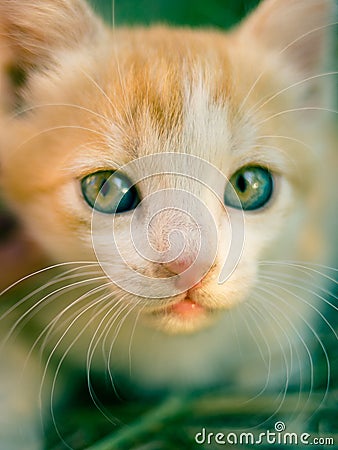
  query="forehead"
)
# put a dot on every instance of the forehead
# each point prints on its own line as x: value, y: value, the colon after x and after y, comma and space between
x: 144, y: 92
x: 170, y: 91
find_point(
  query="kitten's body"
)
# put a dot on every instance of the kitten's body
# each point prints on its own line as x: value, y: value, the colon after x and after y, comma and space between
x: 98, y: 100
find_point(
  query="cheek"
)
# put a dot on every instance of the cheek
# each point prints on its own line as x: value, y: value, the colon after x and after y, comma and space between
x: 119, y: 255
x: 63, y: 234
x: 234, y: 290
x: 264, y: 226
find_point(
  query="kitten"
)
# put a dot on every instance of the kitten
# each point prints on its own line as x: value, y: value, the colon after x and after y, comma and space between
x: 187, y: 173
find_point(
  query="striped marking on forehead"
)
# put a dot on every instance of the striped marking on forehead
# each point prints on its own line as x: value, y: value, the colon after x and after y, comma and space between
x: 206, y: 127
x: 202, y: 127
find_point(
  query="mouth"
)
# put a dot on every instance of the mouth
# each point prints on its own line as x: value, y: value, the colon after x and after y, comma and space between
x: 185, y: 315
x: 187, y: 308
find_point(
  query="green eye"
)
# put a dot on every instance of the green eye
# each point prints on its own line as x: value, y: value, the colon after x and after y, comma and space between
x: 253, y: 186
x: 109, y: 192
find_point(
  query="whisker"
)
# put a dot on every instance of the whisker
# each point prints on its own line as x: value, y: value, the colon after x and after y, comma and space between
x: 37, y: 272
x: 257, y: 106
x: 288, y: 369
x: 92, y: 347
x: 60, y: 339
x: 249, y: 306
x: 271, y: 281
x: 300, y: 283
x: 292, y: 349
x: 55, y: 280
x: 302, y: 265
x: 298, y: 141
x: 314, y: 30
x: 235, y: 327
x: 84, y: 296
x: 91, y: 350
x: 127, y: 111
x: 281, y: 278
x: 313, y: 331
x: 38, y: 306
x: 65, y: 353
x: 63, y: 127
x: 140, y: 311
x: 295, y: 41
x: 305, y: 108
x: 108, y: 327
x: 131, y: 309
x: 62, y: 105
x: 48, y: 329
x: 106, y: 96
x: 281, y: 150
x: 252, y: 311
x: 62, y: 290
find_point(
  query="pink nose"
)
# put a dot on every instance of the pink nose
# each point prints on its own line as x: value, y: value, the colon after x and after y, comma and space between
x: 179, y: 265
x: 191, y: 278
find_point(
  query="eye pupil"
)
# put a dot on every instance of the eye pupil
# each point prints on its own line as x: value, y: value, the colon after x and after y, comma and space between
x: 104, y: 189
x: 241, y: 183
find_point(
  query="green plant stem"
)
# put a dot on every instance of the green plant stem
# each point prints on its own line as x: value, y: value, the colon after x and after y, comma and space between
x: 267, y: 404
x: 154, y: 420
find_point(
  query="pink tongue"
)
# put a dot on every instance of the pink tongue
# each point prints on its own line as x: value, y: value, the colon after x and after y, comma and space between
x: 187, y: 308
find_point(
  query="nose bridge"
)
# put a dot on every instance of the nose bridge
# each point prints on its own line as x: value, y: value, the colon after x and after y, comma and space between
x: 181, y: 225
x: 173, y: 228
x: 182, y: 236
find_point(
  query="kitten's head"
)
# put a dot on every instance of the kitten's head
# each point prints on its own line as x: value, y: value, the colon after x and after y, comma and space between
x: 171, y: 155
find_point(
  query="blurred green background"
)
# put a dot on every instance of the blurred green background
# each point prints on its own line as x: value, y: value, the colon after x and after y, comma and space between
x: 216, y: 13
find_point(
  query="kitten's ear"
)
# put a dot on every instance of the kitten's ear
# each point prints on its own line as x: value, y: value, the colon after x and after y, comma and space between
x: 298, y: 29
x: 34, y: 32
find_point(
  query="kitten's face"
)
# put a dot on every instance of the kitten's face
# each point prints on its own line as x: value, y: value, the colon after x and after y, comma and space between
x: 180, y: 113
